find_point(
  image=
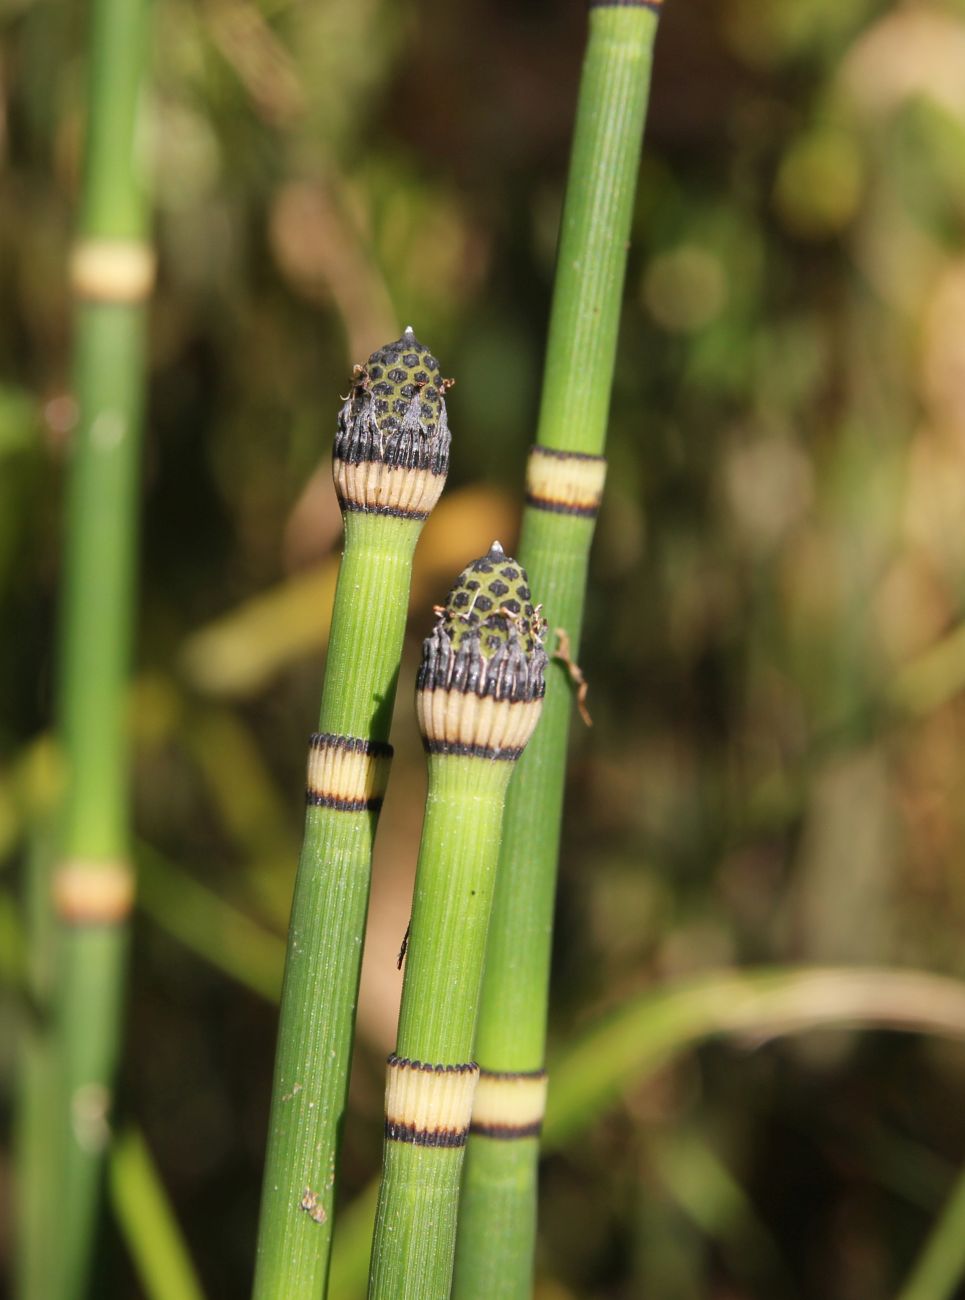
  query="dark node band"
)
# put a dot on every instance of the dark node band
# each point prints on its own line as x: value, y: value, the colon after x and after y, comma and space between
x: 467, y: 1067
x: 513, y: 1076
x: 507, y: 1132
x: 422, y: 1137
x: 351, y: 744
x: 471, y: 751
x: 555, y: 454
x: 654, y: 5
x: 419, y: 516
x: 317, y: 800
x: 560, y: 508
x: 409, y: 454
x: 510, y: 673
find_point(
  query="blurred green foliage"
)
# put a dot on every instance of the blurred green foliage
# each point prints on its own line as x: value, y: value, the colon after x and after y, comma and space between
x: 775, y: 769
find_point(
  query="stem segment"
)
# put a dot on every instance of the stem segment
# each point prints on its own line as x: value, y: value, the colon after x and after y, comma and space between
x: 564, y: 484
x: 480, y: 689
x: 391, y: 455
x: 111, y: 272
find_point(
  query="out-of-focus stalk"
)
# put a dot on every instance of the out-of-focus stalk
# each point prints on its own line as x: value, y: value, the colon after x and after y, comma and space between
x: 92, y: 886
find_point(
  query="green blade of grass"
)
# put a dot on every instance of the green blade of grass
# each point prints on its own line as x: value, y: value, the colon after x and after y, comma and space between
x: 630, y: 1044
x: 147, y: 1222
x: 941, y: 1264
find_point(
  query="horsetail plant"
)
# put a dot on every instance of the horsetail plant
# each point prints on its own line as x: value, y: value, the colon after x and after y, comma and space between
x: 479, y: 693
x: 564, y: 484
x: 390, y: 461
x: 111, y: 276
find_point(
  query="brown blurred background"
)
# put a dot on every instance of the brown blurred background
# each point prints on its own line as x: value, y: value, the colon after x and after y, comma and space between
x: 775, y: 770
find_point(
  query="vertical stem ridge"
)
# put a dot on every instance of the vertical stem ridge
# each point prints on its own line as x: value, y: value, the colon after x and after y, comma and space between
x: 111, y: 272
x: 415, y: 1228
x: 479, y: 694
x: 329, y: 908
x: 389, y: 463
x: 494, y: 1256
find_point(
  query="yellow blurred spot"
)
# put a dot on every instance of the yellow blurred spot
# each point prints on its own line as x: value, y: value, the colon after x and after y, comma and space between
x: 685, y: 289
x: 911, y: 608
x: 156, y: 708
x: 910, y: 51
x: 934, y: 499
x: 239, y: 653
x: 943, y: 348
x: 548, y: 1289
x: 819, y: 184
x: 42, y: 774
x: 769, y: 484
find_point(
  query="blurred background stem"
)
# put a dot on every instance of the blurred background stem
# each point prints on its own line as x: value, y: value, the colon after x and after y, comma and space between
x: 938, y: 1270
x: 111, y: 278
x: 564, y: 482
x: 146, y: 1218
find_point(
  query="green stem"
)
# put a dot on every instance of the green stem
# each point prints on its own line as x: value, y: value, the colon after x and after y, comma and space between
x: 939, y: 1269
x: 479, y: 695
x: 100, y: 577
x: 35, y: 1151
x: 144, y: 1214
x: 99, y: 611
x: 563, y: 491
x: 328, y: 920
x: 415, y: 1227
x: 450, y: 908
x: 597, y: 215
x: 636, y: 1040
x: 368, y: 624
x: 111, y: 273
x: 391, y: 454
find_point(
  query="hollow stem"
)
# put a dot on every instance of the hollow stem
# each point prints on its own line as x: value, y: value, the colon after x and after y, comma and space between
x: 385, y: 499
x: 480, y: 689
x: 416, y: 1218
x: 564, y: 484
x: 111, y: 273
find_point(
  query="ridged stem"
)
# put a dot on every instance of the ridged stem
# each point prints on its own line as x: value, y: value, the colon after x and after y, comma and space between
x: 418, y: 1199
x: 498, y: 1218
x: 328, y: 917
x: 111, y: 276
x: 450, y: 908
